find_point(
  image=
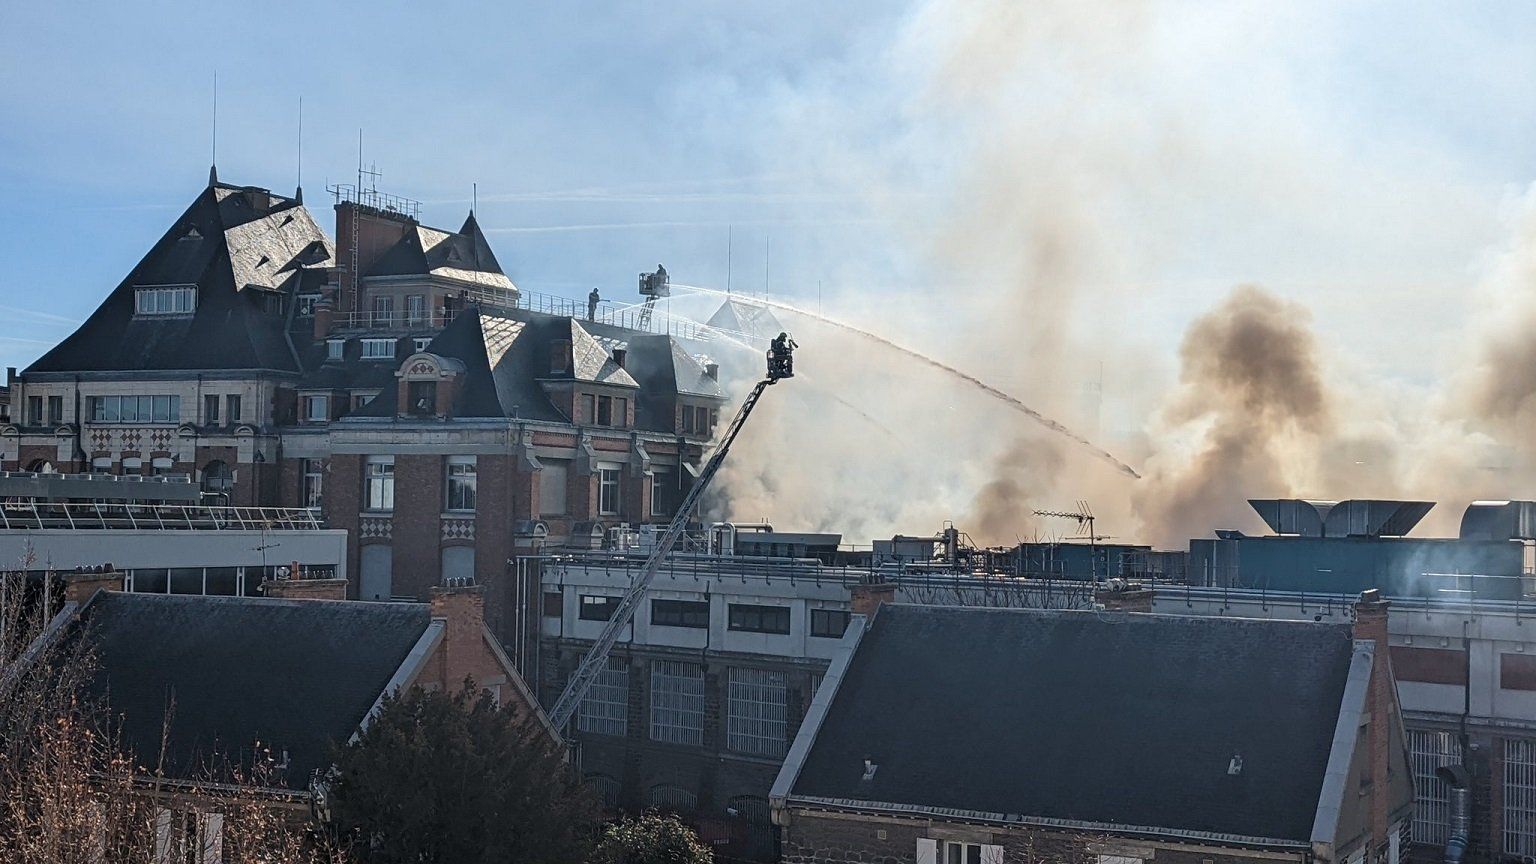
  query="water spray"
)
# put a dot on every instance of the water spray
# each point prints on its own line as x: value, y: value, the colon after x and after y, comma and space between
x: 1010, y: 401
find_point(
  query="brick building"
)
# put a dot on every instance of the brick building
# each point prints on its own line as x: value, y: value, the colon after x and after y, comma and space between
x: 396, y: 379
x: 965, y: 735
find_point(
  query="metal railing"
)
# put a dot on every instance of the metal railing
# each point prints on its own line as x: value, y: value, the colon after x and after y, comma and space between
x: 88, y: 516
x: 93, y: 475
x: 1460, y: 602
x: 622, y: 315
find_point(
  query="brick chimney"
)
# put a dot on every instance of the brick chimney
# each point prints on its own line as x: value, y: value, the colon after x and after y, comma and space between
x: 1122, y: 597
x: 463, y: 652
x: 325, y: 316
x: 867, y: 597
x: 1371, y: 624
x: 305, y: 589
x: 82, y: 585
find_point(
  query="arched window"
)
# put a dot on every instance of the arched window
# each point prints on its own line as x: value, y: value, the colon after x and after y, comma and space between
x: 218, y: 479
x: 674, y: 798
x: 42, y: 466
x: 607, y: 789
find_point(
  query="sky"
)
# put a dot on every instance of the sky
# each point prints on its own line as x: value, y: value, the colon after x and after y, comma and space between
x: 1073, y: 183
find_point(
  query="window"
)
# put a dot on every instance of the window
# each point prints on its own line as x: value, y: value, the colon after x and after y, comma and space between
x: 35, y: 410
x: 605, y: 708
x: 598, y: 607
x: 378, y: 349
x: 55, y: 410
x: 458, y: 565
x: 1520, y: 797
x: 172, y: 300
x: 305, y: 307
x: 383, y: 311
x: 133, y: 465
x: 1427, y: 751
x: 560, y: 358
x: 759, y: 619
x: 554, y: 604
x: 101, y: 465
x: 757, y: 717
x: 605, y: 411
x: 421, y: 342
x: 589, y: 415
x: 317, y: 408
x: 312, y: 483
x: 958, y: 852
x: 211, y: 410
x: 379, y: 483
x: 661, y: 494
x: 161, y: 465
x: 680, y: 613
x: 421, y: 398
x: 677, y: 702
x: 416, y: 309
x: 674, y: 799
x: 218, y: 479
x: 232, y: 403
x: 335, y: 349
x: 829, y: 623
x: 552, y: 480
x: 189, y: 837
x: 461, y: 484
x: 135, y: 409
x: 697, y: 420
x: 608, y: 491
x: 360, y: 399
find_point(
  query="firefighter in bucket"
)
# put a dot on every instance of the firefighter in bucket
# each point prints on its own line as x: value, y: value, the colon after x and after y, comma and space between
x: 781, y: 357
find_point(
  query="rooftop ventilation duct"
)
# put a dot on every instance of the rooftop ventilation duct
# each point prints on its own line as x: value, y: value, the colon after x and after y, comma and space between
x: 1499, y: 520
x: 1360, y: 517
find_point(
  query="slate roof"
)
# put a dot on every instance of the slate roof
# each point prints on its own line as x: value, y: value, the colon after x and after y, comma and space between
x: 234, y: 252
x: 295, y: 675
x: 506, y: 355
x: 1093, y: 717
x: 753, y: 319
x: 465, y: 256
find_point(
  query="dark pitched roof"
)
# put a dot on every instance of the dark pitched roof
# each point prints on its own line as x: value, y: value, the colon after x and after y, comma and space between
x: 229, y: 240
x: 506, y: 354
x: 465, y: 256
x: 294, y: 675
x: 1107, y: 718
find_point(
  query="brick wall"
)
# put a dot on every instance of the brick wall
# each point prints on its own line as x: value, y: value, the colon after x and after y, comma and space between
x: 342, y: 506
x: 417, y: 524
x: 833, y: 838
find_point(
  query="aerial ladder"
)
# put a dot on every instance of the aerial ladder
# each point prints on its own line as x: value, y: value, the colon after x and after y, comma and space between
x: 780, y: 366
x: 653, y: 285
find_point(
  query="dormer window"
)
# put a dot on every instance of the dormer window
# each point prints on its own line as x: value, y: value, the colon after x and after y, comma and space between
x: 378, y: 349
x: 335, y: 349
x: 165, y: 300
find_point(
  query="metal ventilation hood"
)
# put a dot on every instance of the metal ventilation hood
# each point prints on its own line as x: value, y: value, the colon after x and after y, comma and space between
x: 1499, y: 520
x: 1359, y: 517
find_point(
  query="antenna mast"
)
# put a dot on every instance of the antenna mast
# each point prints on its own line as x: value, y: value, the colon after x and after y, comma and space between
x: 1083, y: 515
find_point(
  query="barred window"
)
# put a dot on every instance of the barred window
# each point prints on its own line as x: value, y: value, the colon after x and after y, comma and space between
x: 605, y: 708
x: 1520, y: 797
x: 1428, y: 750
x: 677, y: 702
x: 673, y: 798
x: 757, y: 720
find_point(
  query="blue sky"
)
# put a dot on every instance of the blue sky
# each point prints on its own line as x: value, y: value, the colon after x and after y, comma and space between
x: 1360, y: 159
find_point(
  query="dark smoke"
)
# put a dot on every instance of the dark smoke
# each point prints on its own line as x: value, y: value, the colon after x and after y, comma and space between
x: 1002, y: 509
x: 1249, y: 376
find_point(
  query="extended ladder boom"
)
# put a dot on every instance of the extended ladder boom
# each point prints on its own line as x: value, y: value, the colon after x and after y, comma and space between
x: 597, y: 657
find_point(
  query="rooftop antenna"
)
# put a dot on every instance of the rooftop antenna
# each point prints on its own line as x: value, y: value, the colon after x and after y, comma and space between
x: 729, y: 231
x: 213, y: 165
x: 474, y: 197
x: 298, y: 194
x: 1083, y: 515
x: 765, y: 266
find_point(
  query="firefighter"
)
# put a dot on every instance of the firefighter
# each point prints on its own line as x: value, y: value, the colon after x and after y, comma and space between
x: 781, y: 361
x: 592, y: 301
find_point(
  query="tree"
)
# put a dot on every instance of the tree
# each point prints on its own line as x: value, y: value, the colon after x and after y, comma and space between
x: 651, y: 839
x: 457, y: 778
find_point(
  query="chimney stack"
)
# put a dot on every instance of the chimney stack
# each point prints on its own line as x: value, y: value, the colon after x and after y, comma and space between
x: 867, y: 597
x: 1371, y: 625
x: 325, y: 315
x: 81, y: 585
x: 463, y: 652
x: 1119, y: 596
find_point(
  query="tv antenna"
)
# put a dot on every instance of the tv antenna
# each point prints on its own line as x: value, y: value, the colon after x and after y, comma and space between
x: 1083, y: 516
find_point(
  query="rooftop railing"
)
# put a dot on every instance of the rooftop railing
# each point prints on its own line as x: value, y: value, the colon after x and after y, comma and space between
x: 625, y: 315
x: 87, y: 516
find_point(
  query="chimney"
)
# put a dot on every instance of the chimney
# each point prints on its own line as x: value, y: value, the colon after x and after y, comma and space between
x: 83, y: 584
x: 325, y: 315
x: 463, y: 652
x: 299, y: 588
x: 619, y: 355
x: 712, y: 369
x: 1119, y: 596
x: 867, y: 597
x: 1371, y: 624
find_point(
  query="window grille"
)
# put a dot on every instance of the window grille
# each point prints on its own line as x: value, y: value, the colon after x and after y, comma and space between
x: 757, y: 718
x: 1428, y: 750
x: 674, y: 798
x: 1520, y: 797
x: 605, y: 708
x: 607, y: 788
x: 677, y: 702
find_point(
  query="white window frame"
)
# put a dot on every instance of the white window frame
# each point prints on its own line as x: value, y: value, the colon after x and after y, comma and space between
x: 415, y: 309
x: 462, y: 485
x: 757, y: 712
x: 317, y: 408
x: 677, y: 702
x: 1520, y: 797
x: 605, y: 708
x: 335, y: 349
x: 312, y: 483
x: 1429, y: 749
x: 379, y: 484
x: 306, y: 305
x: 610, y: 489
x: 378, y: 349
x: 163, y: 408
x: 421, y: 343
x: 233, y: 408
x: 165, y: 300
